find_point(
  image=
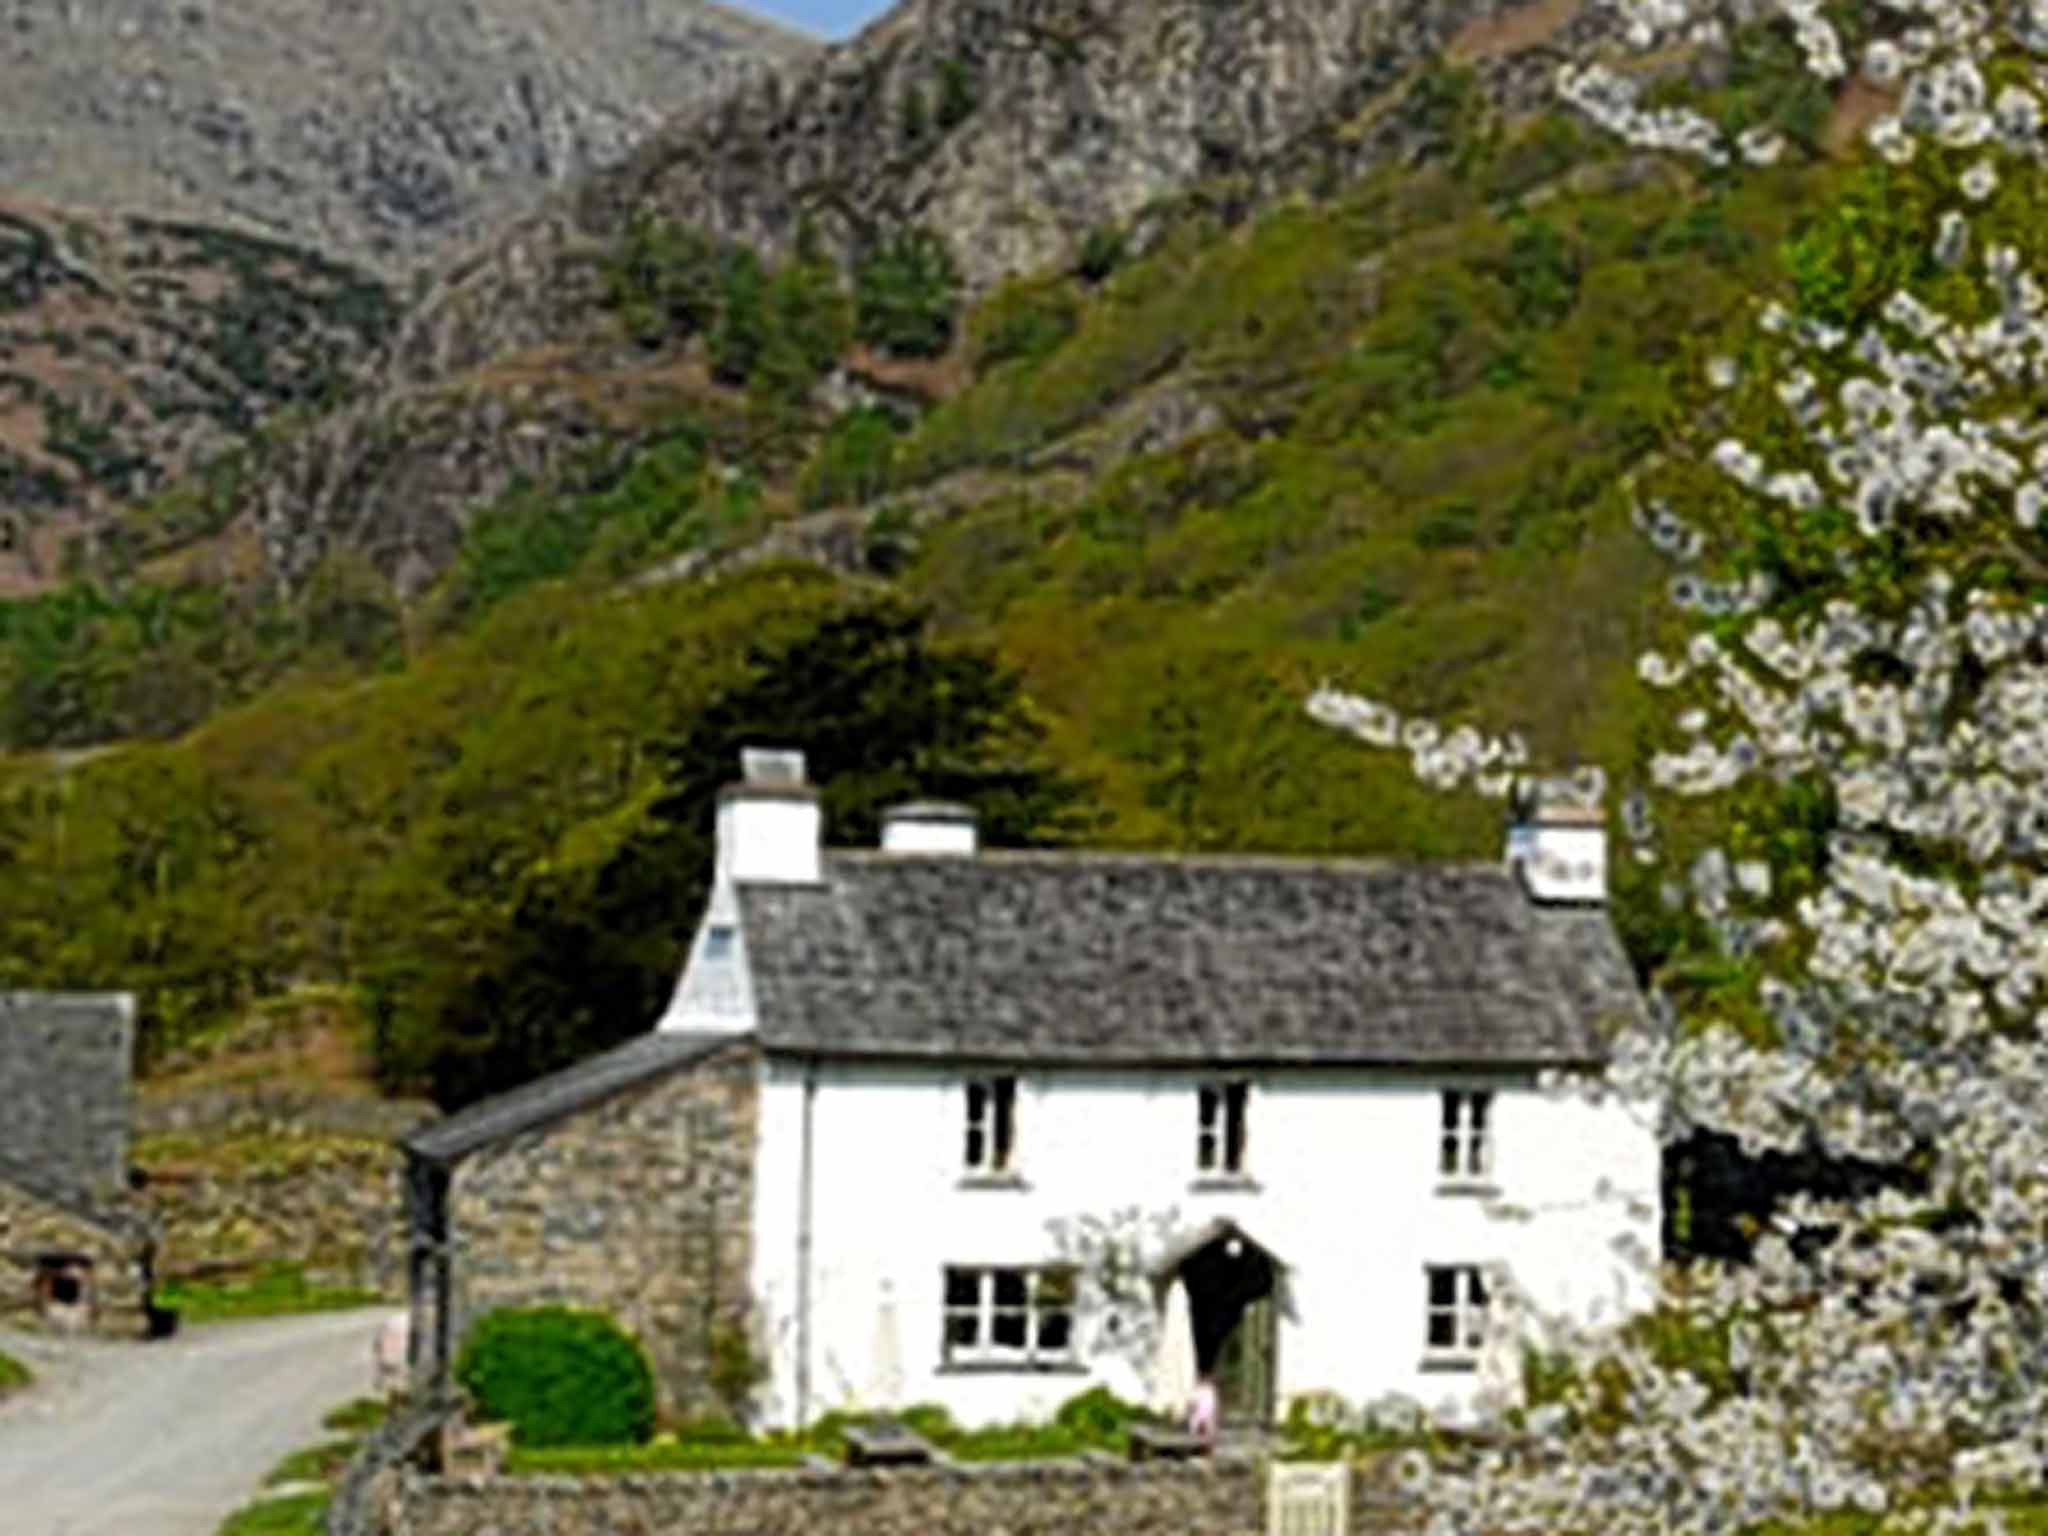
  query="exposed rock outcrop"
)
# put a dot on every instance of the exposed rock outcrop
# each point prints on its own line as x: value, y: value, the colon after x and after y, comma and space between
x: 377, y: 130
x: 1013, y: 127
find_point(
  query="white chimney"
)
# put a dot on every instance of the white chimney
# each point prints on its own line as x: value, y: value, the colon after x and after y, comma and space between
x: 929, y: 826
x: 1557, y: 847
x: 768, y: 823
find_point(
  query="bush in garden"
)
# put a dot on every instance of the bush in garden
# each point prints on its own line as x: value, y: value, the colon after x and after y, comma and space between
x: 559, y: 1376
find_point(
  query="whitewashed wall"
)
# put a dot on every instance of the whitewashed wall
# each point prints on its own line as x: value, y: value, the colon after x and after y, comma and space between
x: 1347, y: 1196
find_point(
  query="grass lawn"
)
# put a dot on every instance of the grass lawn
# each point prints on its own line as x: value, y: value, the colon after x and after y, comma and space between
x: 13, y: 1375
x: 275, y: 1292
x: 303, y: 1514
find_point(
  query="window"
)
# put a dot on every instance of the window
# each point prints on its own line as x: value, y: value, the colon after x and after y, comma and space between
x: 1456, y: 1322
x: 1219, y: 1130
x: 718, y: 945
x: 1016, y: 1316
x: 991, y: 1124
x: 1465, y: 1153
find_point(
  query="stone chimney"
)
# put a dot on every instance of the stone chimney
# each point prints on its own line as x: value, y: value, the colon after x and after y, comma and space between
x: 929, y: 826
x: 768, y: 823
x: 1557, y: 844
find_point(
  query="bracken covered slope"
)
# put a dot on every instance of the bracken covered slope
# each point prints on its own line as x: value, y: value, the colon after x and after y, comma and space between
x: 1012, y: 127
x: 377, y: 130
x: 133, y: 349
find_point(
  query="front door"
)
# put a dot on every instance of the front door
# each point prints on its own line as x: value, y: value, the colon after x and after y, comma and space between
x: 1245, y: 1365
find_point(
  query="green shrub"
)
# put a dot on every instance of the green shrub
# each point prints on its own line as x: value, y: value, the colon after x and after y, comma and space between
x: 956, y: 94
x: 1098, y: 1414
x: 735, y: 1369
x: 905, y: 294
x: 1102, y: 252
x: 930, y: 1420
x: 560, y: 1377
x: 663, y: 280
x: 854, y: 462
x: 1021, y: 319
x: 13, y: 1375
x: 742, y: 332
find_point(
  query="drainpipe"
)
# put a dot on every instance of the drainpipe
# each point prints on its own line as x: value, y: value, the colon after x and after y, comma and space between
x: 803, y: 1257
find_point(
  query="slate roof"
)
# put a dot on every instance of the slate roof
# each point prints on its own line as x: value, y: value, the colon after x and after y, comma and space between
x: 66, y: 1065
x: 548, y: 1099
x: 1159, y: 959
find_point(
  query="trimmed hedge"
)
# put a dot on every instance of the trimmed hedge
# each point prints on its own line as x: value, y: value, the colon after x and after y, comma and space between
x: 560, y: 1377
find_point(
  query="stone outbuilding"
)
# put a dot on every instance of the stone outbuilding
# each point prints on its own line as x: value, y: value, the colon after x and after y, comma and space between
x: 894, y: 1082
x: 76, y: 1244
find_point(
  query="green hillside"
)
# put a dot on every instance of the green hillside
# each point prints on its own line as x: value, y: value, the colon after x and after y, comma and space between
x: 1389, y: 434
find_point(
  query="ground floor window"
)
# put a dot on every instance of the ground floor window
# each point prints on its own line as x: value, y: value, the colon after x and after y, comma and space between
x: 1455, y: 1319
x: 1009, y: 1315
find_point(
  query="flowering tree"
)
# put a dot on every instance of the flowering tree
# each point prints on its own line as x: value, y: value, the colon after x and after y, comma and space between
x: 1856, y: 785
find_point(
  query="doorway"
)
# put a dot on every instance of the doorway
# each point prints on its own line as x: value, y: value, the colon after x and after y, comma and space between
x: 1234, y: 1298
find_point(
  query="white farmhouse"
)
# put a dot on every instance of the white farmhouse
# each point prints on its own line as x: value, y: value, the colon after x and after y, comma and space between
x: 895, y: 1083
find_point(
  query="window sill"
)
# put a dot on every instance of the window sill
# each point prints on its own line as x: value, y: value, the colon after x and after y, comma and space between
x: 1011, y: 1368
x: 1446, y: 1365
x: 1223, y: 1183
x: 1480, y: 1189
x: 992, y: 1181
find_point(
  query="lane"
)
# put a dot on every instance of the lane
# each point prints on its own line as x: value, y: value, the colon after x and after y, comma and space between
x: 165, y: 1439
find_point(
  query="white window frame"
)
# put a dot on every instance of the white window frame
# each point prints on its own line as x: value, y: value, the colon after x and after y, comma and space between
x: 1049, y: 1289
x: 989, y: 1149
x: 1221, y: 1107
x: 1465, y: 1136
x: 1467, y: 1312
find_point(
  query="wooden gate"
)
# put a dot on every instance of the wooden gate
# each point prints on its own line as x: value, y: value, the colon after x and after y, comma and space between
x: 1308, y: 1498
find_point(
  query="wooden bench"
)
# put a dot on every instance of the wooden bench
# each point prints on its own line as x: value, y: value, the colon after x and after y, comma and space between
x: 1149, y: 1443
x: 885, y: 1445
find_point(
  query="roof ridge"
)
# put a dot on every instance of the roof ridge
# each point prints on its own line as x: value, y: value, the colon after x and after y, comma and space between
x: 1336, y: 863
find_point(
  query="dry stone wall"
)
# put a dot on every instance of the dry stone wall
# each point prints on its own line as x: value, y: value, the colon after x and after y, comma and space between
x: 638, y: 1206
x: 1225, y: 1497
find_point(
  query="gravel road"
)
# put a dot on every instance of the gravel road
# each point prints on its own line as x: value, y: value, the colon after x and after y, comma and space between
x: 164, y: 1439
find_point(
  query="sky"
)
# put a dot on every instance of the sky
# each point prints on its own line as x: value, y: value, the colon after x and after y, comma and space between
x: 829, y: 19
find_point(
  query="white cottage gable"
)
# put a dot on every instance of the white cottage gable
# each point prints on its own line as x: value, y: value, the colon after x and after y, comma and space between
x: 1319, y: 1077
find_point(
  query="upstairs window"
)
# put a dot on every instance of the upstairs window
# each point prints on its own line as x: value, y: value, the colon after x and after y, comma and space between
x: 1016, y: 1316
x: 1465, y: 1151
x: 1219, y: 1128
x: 991, y: 1124
x: 1455, y: 1322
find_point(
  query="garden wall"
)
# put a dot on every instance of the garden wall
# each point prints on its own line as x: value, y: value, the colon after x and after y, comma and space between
x: 1096, y: 1497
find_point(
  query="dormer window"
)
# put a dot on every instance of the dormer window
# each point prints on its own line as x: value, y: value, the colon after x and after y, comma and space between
x: 1219, y: 1128
x: 1464, y: 1152
x: 718, y: 945
x: 991, y: 1124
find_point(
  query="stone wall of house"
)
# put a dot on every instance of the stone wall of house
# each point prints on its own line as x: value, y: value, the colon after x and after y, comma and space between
x: 1097, y: 1497
x: 32, y: 1229
x: 639, y: 1205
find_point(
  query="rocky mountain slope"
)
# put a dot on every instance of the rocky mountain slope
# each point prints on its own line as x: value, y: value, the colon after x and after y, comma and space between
x: 378, y: 131
x: 133, y: 349
x: 1013, y: 128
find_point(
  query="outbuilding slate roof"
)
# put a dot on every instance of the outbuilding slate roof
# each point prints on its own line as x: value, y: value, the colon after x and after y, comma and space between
x: 548, y: 1099
x: 66, y: 1065
x: 1160, y: 959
